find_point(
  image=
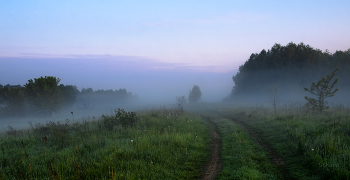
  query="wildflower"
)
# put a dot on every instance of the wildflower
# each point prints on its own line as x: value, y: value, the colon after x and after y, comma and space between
x: 312, y: 149
x: 151, y: 162
x: 131, y: 140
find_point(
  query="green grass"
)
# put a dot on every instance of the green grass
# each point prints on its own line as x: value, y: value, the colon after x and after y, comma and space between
x: 313, y: 146
x: 242, y: 157
x: 163, y: 144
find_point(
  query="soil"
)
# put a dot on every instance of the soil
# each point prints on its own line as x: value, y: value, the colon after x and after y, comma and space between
x: 214, y: 165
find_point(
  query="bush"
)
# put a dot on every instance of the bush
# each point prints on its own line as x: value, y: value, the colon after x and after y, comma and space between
x: 123, y: 118
x: 181, y: 100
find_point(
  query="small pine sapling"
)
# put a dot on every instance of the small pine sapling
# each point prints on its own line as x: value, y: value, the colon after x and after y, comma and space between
x: 322, y: 90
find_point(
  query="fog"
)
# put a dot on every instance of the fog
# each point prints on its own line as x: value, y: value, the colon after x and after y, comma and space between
x: 155, y: 83
x: 290, y: 90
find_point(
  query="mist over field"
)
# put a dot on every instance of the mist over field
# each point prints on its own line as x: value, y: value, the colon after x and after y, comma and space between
x: 175, y: 89
x: 153, y: 83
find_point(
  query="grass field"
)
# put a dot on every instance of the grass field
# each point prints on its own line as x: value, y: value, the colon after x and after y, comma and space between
x: 159, y: 144
x: 313, y: 146
x: 175, y: 144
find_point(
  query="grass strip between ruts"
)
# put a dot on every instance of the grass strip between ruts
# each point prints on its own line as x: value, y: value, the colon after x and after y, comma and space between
x: 242, y: 157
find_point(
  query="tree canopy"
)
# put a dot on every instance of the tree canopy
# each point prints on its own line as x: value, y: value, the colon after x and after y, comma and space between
x: 44, y: 95
x: 291, y: 67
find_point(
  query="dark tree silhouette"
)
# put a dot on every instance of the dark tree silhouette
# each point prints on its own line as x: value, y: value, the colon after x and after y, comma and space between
x: 14, y: 101
x: 44, y: 96
x: 195, y: 94
x: 290, y: 67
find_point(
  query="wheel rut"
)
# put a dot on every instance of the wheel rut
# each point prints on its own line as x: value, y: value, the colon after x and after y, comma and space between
x: 214, y: 165
x: 275, y: 158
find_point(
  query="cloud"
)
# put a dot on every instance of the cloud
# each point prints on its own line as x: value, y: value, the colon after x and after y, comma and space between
x: 108, y: 63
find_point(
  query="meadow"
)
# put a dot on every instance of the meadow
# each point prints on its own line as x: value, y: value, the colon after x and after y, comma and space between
x: 312, y: 145
x: 255, y: 143
x: 157, y: 144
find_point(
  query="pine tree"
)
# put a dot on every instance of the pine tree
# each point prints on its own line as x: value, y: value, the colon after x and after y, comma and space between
x: 322, y: 90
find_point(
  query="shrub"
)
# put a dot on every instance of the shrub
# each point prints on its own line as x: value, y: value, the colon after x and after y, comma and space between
x: 123, y: 118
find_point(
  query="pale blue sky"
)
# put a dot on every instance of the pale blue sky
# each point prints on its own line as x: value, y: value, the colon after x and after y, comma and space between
x: 200, y: 32
x: 208, y: 36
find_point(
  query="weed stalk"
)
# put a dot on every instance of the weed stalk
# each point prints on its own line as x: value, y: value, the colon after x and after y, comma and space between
x: 3, y: 152
x: 30, y: 166
x: 51, y: 173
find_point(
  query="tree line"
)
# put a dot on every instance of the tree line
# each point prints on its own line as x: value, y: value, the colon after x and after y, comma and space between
x: 44, y: 96
x: 87, y: 95
x: 291, y: 68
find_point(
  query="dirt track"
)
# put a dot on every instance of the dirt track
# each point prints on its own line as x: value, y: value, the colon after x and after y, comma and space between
x: 275, y: 158
x: 214, y: 164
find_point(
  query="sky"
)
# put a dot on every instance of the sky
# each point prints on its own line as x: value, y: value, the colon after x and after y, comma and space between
x: 157, y: 48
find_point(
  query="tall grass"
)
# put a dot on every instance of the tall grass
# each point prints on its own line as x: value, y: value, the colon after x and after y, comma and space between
x: 161, y: 144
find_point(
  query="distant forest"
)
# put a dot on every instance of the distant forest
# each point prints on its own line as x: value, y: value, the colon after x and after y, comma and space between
x: 291, y: 68
x: 43, y: 96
